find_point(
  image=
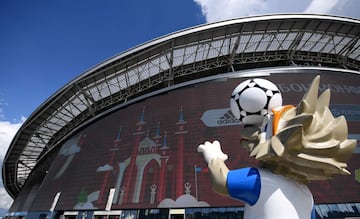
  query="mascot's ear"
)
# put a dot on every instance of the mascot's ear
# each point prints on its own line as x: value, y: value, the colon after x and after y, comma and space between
x: 308, y: 103
x: 323, y: 100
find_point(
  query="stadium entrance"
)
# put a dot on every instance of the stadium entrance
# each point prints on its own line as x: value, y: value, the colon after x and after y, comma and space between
x: 177, y: 214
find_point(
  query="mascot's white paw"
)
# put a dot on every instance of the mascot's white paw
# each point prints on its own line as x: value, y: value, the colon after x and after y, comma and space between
x: 212, y: 151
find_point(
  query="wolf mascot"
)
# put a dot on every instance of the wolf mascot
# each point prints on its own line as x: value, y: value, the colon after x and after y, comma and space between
x: 305, y: 143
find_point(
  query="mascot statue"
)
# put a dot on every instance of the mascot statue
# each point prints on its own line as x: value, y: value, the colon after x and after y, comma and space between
x: 294, y: 145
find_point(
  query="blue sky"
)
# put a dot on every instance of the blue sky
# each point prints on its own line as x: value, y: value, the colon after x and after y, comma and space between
x: 45, y: 44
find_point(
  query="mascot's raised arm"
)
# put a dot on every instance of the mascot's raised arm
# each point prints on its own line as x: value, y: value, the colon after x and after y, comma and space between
x: 294, y: 145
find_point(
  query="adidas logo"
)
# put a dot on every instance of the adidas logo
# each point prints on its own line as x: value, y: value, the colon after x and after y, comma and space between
x: 228, y: 118
x: 219, y: 117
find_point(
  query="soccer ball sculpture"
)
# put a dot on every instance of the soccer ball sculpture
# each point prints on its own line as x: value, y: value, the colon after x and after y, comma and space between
x: 253, y: 99
x: 297, y: 147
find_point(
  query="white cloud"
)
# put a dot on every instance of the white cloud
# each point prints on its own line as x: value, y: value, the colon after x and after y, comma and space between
x: 215, y: 10
x: 321, y: 6
x: 7, y: 132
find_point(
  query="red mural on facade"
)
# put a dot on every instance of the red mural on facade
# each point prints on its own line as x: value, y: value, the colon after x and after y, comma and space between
x: 146, y: 152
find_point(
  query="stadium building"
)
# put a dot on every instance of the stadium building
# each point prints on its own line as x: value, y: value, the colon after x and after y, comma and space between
x: 119, y: 141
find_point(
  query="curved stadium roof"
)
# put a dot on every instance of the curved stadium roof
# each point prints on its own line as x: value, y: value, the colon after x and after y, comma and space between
x: 210, y: 49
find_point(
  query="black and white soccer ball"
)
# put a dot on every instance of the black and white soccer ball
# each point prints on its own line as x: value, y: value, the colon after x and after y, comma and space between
x: 252, y: 100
